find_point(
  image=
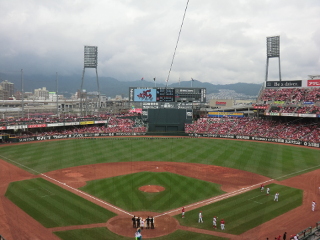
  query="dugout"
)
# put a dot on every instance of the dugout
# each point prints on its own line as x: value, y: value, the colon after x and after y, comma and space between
x: 167, y: 120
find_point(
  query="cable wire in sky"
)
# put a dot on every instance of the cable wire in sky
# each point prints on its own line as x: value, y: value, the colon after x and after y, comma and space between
x: 174, y: 53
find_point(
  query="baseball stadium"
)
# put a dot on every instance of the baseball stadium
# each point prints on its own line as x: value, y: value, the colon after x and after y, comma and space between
x: 168, y: 170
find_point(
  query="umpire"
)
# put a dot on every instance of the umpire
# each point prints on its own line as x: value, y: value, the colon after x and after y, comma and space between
x: 152, y: 222
x: 148, y: 222
x: 134, y: 221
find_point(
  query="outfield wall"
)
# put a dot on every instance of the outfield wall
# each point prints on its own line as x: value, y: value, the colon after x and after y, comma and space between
x: 236, y: 137
x: 263, y: 139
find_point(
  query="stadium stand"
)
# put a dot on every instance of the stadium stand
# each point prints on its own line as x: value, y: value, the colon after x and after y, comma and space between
x: 256, y: 127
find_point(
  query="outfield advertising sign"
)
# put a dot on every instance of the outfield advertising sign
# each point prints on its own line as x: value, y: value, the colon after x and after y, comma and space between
x: 37, y: 126
x: 264, y: 139
x: 71, y: 123
x: 225, y: 114
x: 86, y: 122
x: 284, y: 84
x: 290, y: 114
x: 76, y: 135
x: 101, y: 121
x: 313, y: 83
x: 55, y: 124
x: 17, y: 127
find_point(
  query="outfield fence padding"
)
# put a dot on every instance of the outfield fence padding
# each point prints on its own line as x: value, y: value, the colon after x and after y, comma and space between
x: 235, y: 137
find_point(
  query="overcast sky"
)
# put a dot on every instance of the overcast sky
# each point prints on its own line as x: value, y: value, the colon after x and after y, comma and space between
x: 222, y: 41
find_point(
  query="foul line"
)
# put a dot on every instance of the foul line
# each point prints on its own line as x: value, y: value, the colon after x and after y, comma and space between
x: 298, y: 172
x: 218, y: 198
x: 64, y: 184
x: 204, y: 202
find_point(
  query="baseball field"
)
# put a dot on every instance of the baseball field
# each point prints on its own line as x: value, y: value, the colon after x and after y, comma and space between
x: 92, y: 187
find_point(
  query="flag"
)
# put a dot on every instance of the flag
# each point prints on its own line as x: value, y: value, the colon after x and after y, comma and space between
x: 192, y: 79
x: 154, y: 79
x: 141, y: 79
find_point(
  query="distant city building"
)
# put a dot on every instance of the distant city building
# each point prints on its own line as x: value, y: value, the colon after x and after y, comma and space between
x: 118, y: 97
x: 218, y: 103
x: 3, y: 93
x: 7, y: 90
x: 41, y: 93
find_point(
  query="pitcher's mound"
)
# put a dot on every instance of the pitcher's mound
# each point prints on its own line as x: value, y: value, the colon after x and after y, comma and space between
x: 151, y: 188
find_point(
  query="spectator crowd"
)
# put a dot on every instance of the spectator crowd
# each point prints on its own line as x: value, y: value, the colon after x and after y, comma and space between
x: 257, y: 127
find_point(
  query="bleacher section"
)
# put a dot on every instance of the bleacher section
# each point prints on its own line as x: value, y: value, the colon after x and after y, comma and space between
x: 256, y: 127
x: 284, y: 100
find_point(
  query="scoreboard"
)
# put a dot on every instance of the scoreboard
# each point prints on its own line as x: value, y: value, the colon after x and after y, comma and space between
x: 140, y: 94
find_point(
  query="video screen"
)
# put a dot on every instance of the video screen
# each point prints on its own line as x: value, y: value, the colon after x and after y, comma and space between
x: 144, y: 95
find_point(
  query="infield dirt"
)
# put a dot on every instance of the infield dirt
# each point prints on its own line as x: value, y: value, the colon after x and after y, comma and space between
x: 16, y: 225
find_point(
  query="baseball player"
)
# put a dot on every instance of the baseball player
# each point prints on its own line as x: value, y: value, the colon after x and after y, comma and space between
x: 276, y: 197
x: 182, y: 212
x: 200, y: 217
x: 141, y: 223
x: 313, y: 206
x: 222, y: 224
x: 138, y: 235
x: 261, y: 187
x: 268, y: 191
x: 214, y: 222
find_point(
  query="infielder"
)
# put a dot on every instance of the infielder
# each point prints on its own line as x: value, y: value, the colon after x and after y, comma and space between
x: 222, y: 224
x: 200, y: 217
x: 214, y: 222
x: 276, y: 197
x: 313, y: 206
x: 182, y: 212
x: 268, y: 191
x: 262, y: 188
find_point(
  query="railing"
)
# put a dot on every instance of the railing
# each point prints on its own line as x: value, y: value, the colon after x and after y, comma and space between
x: 310, y: 233
x: 304, y: 234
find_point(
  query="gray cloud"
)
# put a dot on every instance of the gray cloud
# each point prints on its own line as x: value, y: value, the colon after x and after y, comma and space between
x: 222, y: 41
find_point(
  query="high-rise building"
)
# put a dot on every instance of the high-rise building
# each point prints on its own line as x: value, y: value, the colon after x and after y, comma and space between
x: 41, y: 93
x: 7, y: 89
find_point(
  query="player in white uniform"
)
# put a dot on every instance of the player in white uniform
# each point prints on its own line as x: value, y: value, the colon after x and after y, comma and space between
x: 276, y: 197
x: 200, y: 217
x: 268, y: 191
x: 214, y: 222
x: 313, y: 206
x: 222, y: 224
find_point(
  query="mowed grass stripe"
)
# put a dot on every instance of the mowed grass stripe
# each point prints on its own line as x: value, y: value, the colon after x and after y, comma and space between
x: 247, y: 210
x: 271, y: 160
x: 179, y: 190
x: 60, y: 208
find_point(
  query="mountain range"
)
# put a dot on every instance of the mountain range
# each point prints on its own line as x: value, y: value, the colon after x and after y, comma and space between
x: 68, y: 85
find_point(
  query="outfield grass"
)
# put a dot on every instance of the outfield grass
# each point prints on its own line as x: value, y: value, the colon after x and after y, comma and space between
x: 245, y: 211
x: 53, y: 206
x: 271, y: 160
x: 123, y: 191
x: 104, y: 233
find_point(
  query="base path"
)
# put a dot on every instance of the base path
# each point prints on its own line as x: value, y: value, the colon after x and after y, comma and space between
x: 16, y: 225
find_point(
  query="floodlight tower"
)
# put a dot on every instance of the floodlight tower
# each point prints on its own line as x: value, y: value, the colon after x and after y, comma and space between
x: 273, y: 50
x: 90, y: 61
